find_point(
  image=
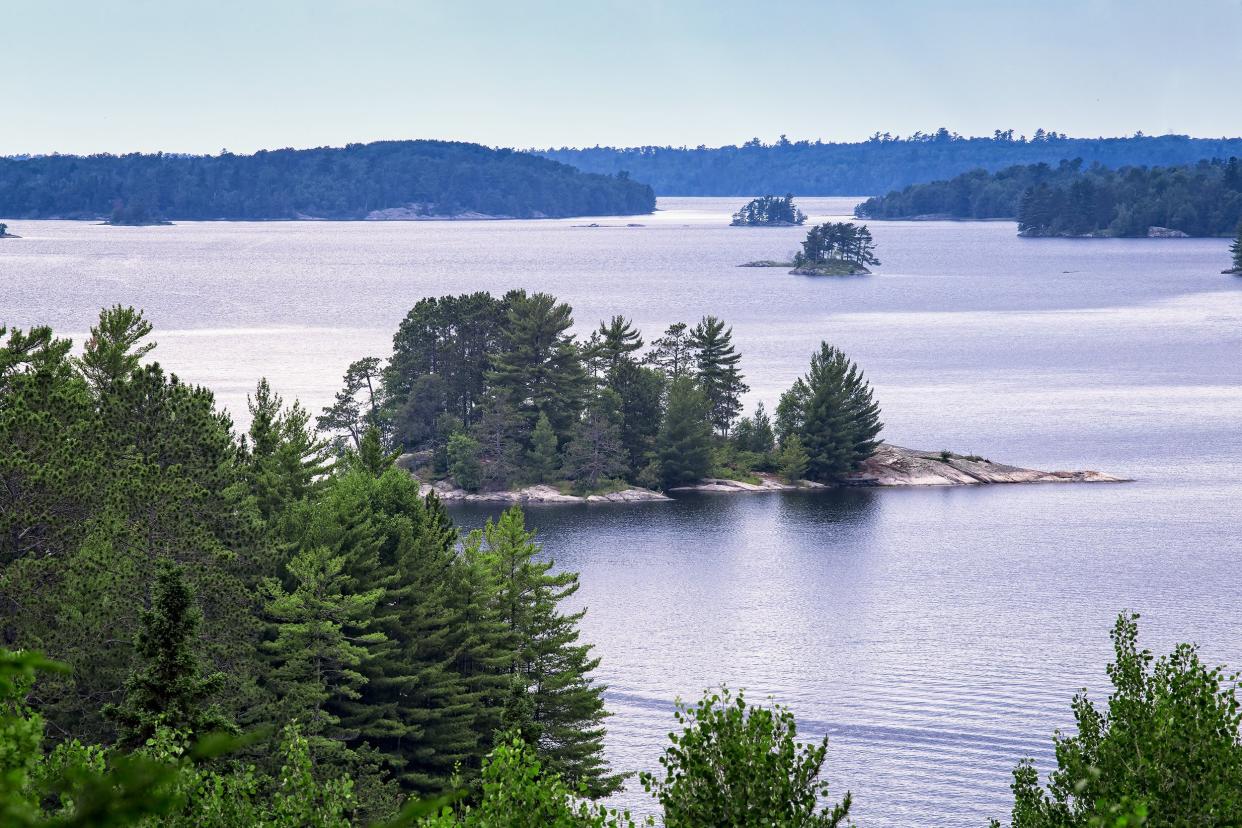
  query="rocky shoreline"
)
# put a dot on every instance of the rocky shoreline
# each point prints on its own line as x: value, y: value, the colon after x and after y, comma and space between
x: 890, y: 467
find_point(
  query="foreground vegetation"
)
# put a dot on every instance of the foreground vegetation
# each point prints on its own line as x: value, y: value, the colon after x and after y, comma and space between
x: 437, y: 177
x: 882, y: 163
x: 495, y: 393
x: 1203, y: 199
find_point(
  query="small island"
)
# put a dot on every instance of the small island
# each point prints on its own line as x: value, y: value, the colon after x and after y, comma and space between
x: 5, y: 234
x: 493, y: 399
x: 831, y: 249
x: 769, y: 211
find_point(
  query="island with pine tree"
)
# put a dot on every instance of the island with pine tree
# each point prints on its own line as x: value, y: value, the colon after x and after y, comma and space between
x: 830, y: 249
x: 494, y: 398
x: 769, y: 211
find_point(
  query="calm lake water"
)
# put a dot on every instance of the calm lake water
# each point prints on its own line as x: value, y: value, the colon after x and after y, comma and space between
x: 936, y: 636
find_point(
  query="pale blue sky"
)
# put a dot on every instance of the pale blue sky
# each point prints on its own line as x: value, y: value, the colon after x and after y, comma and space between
x: 83, y: 76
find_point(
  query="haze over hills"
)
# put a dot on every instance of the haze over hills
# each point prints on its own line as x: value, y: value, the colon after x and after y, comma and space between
x: 387, y: 179
x: 878, y: 165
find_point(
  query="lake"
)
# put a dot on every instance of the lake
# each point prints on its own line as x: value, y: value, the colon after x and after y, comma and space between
x: 936, y: 636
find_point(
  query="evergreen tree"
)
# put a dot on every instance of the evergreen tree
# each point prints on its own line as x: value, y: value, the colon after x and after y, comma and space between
x: 618, y: 341
x: 539, y: 367
x: 285, y: 459
x: 112, y: 351
x: 718, y: 374
x: 463, y: 462
x: 832, y: 412
x: 640, y: 393
x: 673, y: 353
x: 358, y: 404
x: 553, y: 668
x: 320, y: 640
x: 684, y: 444
x: 167, y: 688
x: 1236, y: 250
x: 762, y: 439
x: 594, y: 452
x: 792, y: 461
x: 543, y: 460
x: 497, y: 432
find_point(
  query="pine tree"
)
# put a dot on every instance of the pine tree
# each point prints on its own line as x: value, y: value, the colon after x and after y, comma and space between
x: 498, y: 431
x: 539, y: 367
x: 594, y: 452
x: 1236, y: 250
x: 112, y: 351
x: 641, y: 398
x: 543, y: 459
x: 792, y: 461
x: 567, y: 706
x: 832, y: 412
x: 285, y: 459
x: 358, y: 404
x: 684, y: 444
x: 320, y: 641
x: 762, y: 439
x: 618, y: 342
x: 167, y: 688
x: 718, y: 374
x: 673, y: 353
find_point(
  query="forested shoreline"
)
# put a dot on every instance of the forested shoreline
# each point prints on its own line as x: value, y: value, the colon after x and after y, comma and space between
x: 1203, y: 199
x: 497, y: 393
x: 408, y: 179
x: 882, y: 163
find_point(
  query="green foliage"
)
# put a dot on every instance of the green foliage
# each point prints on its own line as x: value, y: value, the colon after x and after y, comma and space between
x: 734, y: 765
x: 769, y: 210
x: 550, y: 668
x: 1200, y: 198
x: 167, y: 689
x: 463, y: 462
x: 1167, y: 747
x: 832, y: 413
x: 684, y: 444
x: 543, y: 459
x: 437, y: 177
x: 498, y: 431
x: 538, y: 368
x: 618, y: 341
x: 358, y: 404
x: 595, y: 452
x: 719, y: 377
x: 1236, y: 249
x: 837, y: 241
x: 518, y: 793
x: 112, y: 351
x: 673, y: 353
x: 792, y: 461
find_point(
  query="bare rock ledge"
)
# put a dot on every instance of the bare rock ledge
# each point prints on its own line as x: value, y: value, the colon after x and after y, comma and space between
x: 890, y: 466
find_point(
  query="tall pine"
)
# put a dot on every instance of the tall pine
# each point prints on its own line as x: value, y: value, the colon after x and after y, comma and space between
x: 718, y: 373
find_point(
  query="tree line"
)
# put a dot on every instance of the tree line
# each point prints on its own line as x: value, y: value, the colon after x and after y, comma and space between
x: 880, y: 164
x: 440, y: 177
x: 494, y: 393
x: 1202, y: 199
x: 843, y: 241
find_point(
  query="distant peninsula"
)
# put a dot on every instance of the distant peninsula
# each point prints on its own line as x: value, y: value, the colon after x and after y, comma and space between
x: 1072, y: 200
x: 5, y: 234
x: 382, y: 180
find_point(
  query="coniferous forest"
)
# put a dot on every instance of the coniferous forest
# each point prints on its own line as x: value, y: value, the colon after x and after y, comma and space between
x: 202, y: 628
x: 882, y: 163
x: 1203, y: 199
x: 495, y: 393
x: 440, y: 178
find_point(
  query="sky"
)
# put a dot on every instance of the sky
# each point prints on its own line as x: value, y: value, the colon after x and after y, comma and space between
x: 179, y: 76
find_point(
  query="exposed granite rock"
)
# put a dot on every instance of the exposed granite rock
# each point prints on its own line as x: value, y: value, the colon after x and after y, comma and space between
x: 897, y: 466
x: 1165, y: 233
x: 537, y: 494
x: 767, y: 483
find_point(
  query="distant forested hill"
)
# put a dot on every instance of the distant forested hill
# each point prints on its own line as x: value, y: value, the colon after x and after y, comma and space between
x: 878, y: 165
x: 440, y: 177
x: 1203, y: 199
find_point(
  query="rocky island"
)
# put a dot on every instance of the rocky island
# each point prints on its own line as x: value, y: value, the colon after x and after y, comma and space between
x: 769, y: 211
x: 5, y: 234
x: 830, y: 249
